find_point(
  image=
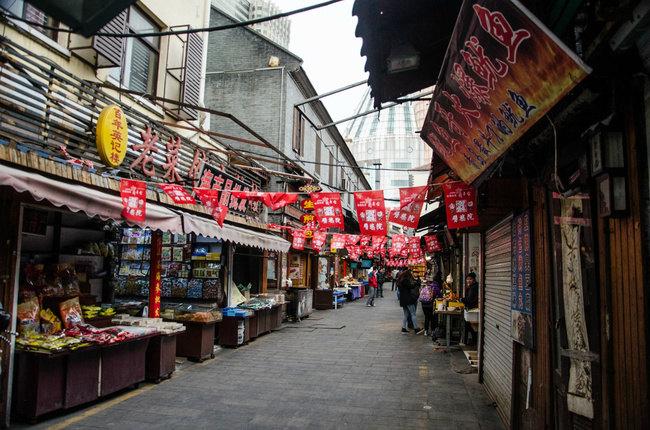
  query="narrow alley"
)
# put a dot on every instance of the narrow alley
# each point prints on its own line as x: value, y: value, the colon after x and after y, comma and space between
x: 349, y: 368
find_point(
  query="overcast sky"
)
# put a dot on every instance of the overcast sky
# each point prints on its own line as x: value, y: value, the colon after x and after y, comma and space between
x: 324, y: 38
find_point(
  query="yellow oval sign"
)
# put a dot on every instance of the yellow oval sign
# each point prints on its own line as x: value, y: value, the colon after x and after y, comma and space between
x: 112, y: 135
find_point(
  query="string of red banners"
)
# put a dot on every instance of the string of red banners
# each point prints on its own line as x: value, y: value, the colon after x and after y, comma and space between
x: 460, y: 206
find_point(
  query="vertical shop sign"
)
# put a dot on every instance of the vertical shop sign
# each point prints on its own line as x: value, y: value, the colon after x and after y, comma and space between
x: 371, y: 212
x: 411, y: 202
x: 502, y: 72
x: 432, y: 244
x: 155, y: 274
x: 460, y: 205
x: 328, y: 210
x: 112, y: 136
x: 298, y: 241
x: 134, y: 200
x: 178, y: 194
x: 522, y: 296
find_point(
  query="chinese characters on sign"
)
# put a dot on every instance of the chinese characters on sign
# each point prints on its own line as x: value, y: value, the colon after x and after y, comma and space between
x: 298, y: 241
x: 318, y: 240
x: 460, y: 205
x: 411, y: 202
x: 433, y: 244
x: 354, y: 251
x: 371, y: 212
x: 211, y: 201
x: 147, y: 148
x: 338, y: 241
x: 155, y: 276
x: 112, y: 136
x: 397, y: 245
x: 226, y: 184
x: 328, y: 210
x: 502, y: 72
x: 414, y: 249
x: 178, y: 194
x: 134, y: 199
x: 522, y: 300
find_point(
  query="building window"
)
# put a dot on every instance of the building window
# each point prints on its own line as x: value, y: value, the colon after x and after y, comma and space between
x: 401, y: 165
x: 298, y: 132
x: 139, y: 70
x: 400, y: 182
x: 331, y: 173
x: 32, y: 14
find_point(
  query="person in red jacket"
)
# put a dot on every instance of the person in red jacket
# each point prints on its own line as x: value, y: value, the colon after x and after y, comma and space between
x: 372, y: 290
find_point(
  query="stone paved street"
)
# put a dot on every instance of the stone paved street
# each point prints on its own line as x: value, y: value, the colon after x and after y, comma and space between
x: 349, y: 368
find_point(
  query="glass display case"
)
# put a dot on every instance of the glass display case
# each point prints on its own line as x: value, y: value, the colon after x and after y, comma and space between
x: 191, y: 312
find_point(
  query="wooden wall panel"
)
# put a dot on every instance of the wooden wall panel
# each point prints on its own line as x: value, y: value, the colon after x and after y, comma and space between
x: 628, y: 304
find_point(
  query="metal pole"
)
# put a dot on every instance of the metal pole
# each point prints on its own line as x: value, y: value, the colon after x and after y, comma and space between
x: 347, y: 87
x: 377, y: 177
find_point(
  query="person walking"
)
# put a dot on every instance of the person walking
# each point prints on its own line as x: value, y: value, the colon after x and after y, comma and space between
x: 394, y: 275
x: 428, y: 295
x: 407, y: 288
x: 372, y: 288
x: 381, y: 278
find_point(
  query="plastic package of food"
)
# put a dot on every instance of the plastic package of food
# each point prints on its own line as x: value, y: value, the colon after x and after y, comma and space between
x: 50, y: 323
x: 71, y: 312
x: 28, y: 318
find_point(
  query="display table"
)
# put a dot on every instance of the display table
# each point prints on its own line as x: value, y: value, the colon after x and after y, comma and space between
x: 196, y: 343
x: 228, y: 331
x: 355, y: 291
x: 338, y: 299
x: 45, y: 383
x: 161, y: 357
x: 449, y: 315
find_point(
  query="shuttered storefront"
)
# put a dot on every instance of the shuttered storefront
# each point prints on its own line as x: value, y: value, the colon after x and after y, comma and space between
x: 497, y: 342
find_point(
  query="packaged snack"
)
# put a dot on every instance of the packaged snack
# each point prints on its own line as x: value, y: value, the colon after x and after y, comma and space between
x: 166, y: 253
x: 28, y: 319
x: 195, y: 289
x: 178, y: 253
x: 71, y: 312
x: 50, y: 323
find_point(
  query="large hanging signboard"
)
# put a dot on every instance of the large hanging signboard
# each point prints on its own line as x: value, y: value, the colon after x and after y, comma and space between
x: 503, y: 71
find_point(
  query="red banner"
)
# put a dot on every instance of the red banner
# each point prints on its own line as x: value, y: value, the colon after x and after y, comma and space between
x: 460, y: 204
x: 178, y: 194
x: 210, y: 199
x: 354, y: 251
x: 398, y: 243
x: 371, y: 212
x: 134, y: 200
x: 298, y: 241
x: 364, y: 240
x: 318, y: 240
x: 352, y: 239
x: 414, y: 249
x: 328, y: 210
x: 369, y: 251
x: 273, y: 201
x: 503, y: 71
x: 338, y: 241
x: 433, y: 244
x: 378, y: 243
x: 411, y: 201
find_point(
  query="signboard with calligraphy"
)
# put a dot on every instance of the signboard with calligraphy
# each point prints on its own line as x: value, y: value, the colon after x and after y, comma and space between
x: 460, y: 205
x: 112, y: 135
x: 298, y: 240
x: 371, y: 212
x: 503, y: 71
x: 213, y: 177
x: 328, y: 210
x: 522, y: 294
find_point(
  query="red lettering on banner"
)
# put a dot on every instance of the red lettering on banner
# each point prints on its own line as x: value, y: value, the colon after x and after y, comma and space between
x: 500, y: 29
x: 134, y: 199
x: 468, y: 114
x: 371, y: 212
x: 173, y: 147
x: 225, y: 195
x: 328, y: 210
x: 449, y: 118
x: 146, y: 148
x: 481, y: 64
x: 478, y: 94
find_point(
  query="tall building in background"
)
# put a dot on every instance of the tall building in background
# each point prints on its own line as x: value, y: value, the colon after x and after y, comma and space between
x: 278, y: 30
x: 389, y: 137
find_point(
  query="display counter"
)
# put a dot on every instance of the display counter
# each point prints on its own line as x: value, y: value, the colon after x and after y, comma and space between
x: 234, y: 331
x: 161, y: 357
x: 197, y: 341
x: 48, y: 382
x: 300, y: 302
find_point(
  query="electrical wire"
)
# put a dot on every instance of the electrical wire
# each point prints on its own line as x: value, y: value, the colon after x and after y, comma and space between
x: 10, y: 15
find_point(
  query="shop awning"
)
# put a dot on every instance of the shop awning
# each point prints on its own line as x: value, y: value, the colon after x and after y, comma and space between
x: 209, y: 228
x: 79, y: 198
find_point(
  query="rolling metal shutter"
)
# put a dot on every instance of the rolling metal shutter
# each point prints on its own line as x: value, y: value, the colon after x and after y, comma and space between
x: 497, y: 342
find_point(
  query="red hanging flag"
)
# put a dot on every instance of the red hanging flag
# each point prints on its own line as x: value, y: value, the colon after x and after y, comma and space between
x: 318, y: 240
x: 370, y: 251
x: 178, y: 194
x: 298, y: 241
x: 273, y: 201
x: 432, y: 243
x: 378, y: 242
x: 398, y: 244
x: 210, y: 199
x: 414, y: 249
x: 371, y: 211
x: 338, y: 241
x: 354, y: 251
x: 352, y: 239
x: 134, y: 200
x: 365, y: 240
x: 411, y: 202
x: 460, y: 205
x: 328, y: 210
